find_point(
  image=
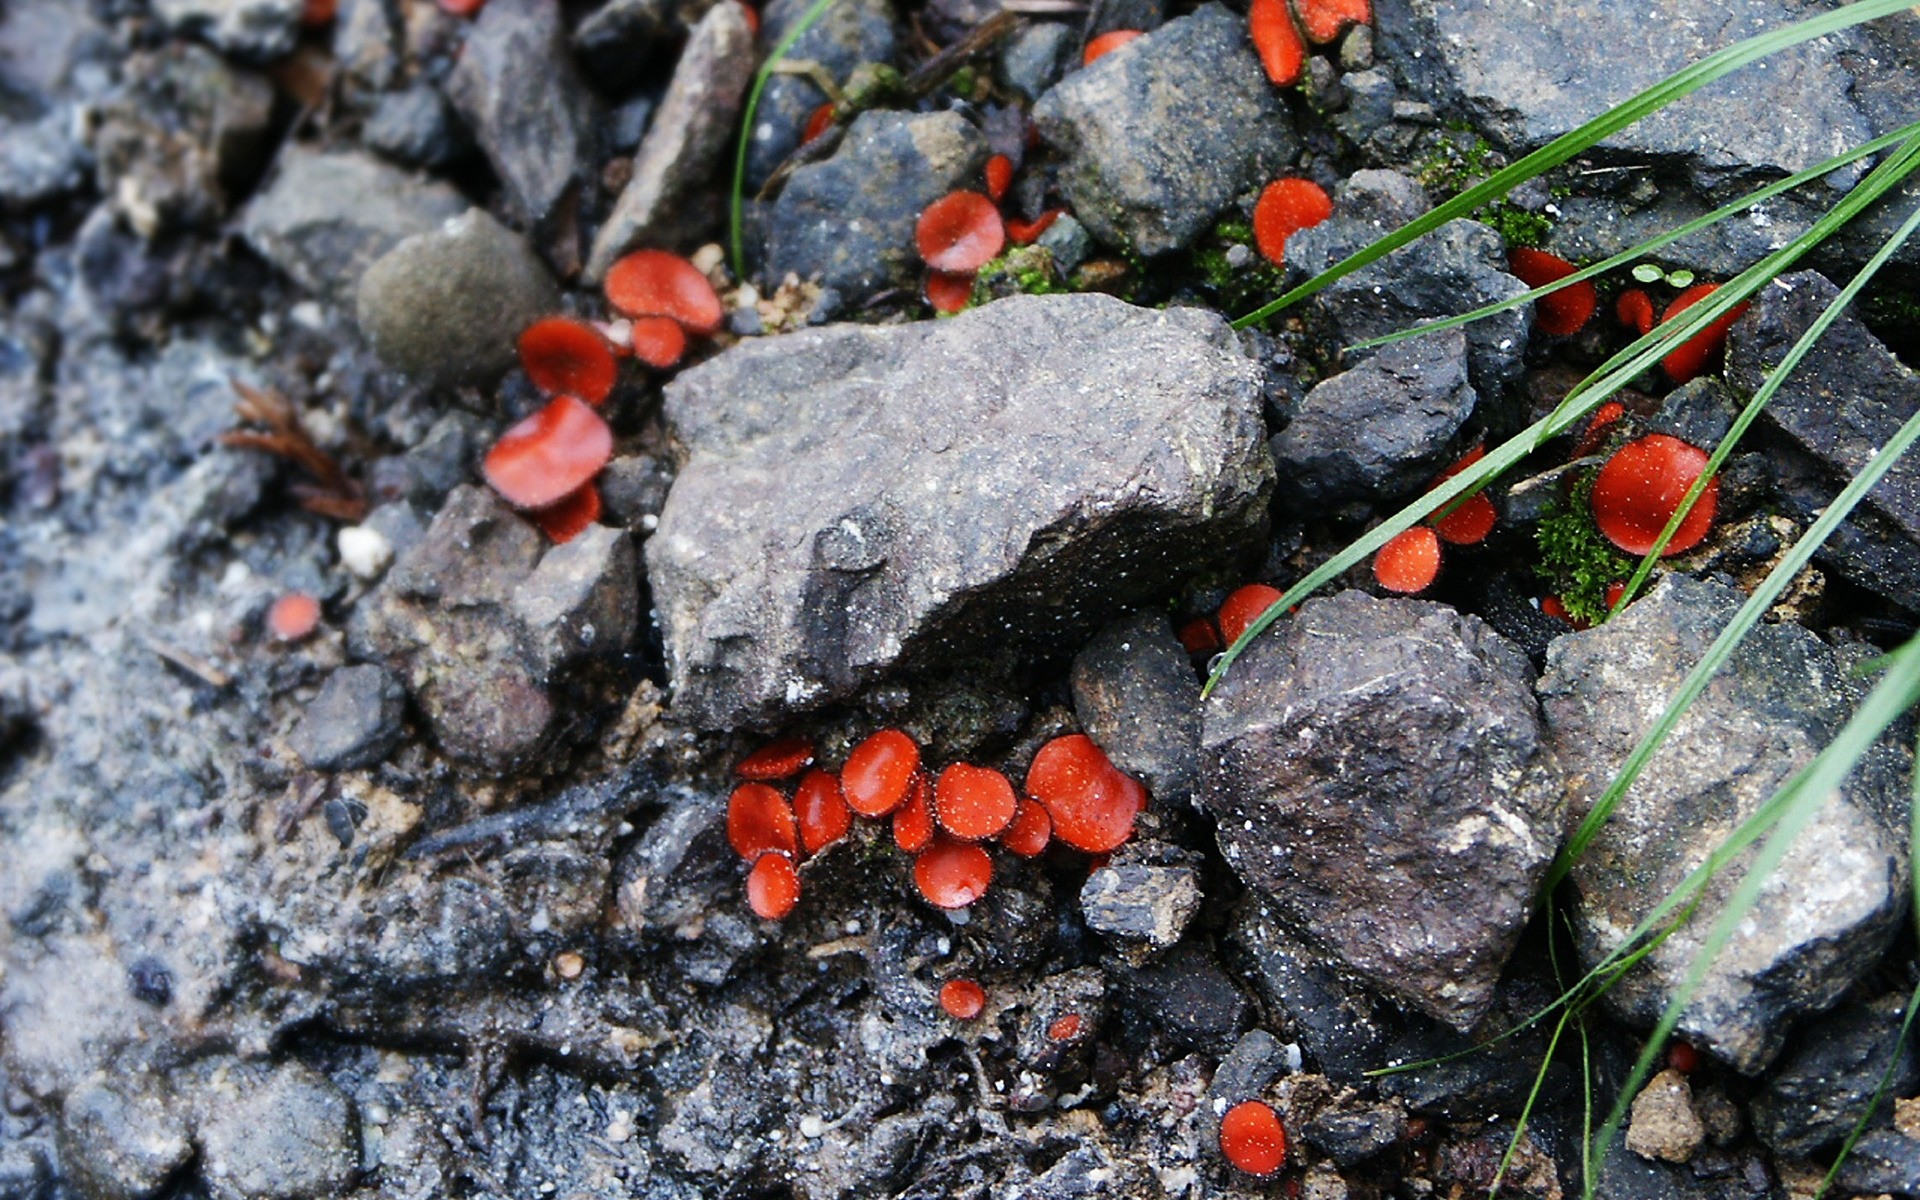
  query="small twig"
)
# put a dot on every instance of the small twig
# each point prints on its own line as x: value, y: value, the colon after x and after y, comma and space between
x: 199, y: 668
x: 337, y: 495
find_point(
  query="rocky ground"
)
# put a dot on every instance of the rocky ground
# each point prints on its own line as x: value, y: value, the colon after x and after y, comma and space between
x: 438, y: 900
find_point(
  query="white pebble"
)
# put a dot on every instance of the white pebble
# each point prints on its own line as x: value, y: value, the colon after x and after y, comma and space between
x: 364, y: 551
x: 811, y: 1127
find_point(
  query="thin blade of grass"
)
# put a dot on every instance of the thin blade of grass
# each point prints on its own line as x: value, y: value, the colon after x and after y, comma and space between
x: 735, y: 235
x: 1673, y: 87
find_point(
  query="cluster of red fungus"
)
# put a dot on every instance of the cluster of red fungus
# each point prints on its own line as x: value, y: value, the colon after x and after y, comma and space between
x: 1567, y: 311
x: 1410, y: 561
x: 1281, y: 37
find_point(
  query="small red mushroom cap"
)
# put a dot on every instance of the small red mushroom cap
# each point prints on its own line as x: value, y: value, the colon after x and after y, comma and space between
x: 1065, y: 1028
x: 1277, y: 41
x: 999, y: 176
x: 1200, y: 636
x: 819, y: 811
x: 1023, y: 233
x: 1695, y: 354
x: 913, y: 821
x: 293, y: 616
x: 1560, y: 313
x: 879, y: 773
x: 549, y: 455
x: 1325, y: 20
x: 1091, y: 802
x: 1410, y: 562
x: 949, y: 291
x: 1473, y: 518
x: 760, y: 821
x: 952, y: 874
x: 1253, y: 1139
x: 658, y: 342
x: 1106, y: 44
x: 1639, y: 489
x: 963, y: 999
x: 564, y: 356
x: 1635, y: 310
x: 818, y: 123
x: 782, y: 758
x: 1285, y: 207
x: 1031, y: 830
x: 568, y: 518
x: 1596, y: 430
x: 1682, y: 1057
x: 972, y: 802
x: 773, y: 887
x: 655, y: 283
x: 961, y: 231
x: 1243, y: 608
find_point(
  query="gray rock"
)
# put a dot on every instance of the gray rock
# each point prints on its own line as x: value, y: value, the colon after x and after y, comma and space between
x: 327, y: 215
x: 634, y: 487
x: 1883, y: 1161
x: 849, y: 33
x: 1664, y: 1124
x: 366, y: 43
x: 354, y: 722
x: 414, y: 127
x: 1159, y: 136
x: 1068, y: 241
x: 275, y: 1133
x: 1350, y: 1136
x: 931, y: 497
x: 1373, y: 759
x: 252, y: 29
x: 690, y: 133
x: 49, y: 50
x: 120, y: 1138
x: 25, y: 1172
x: 447, y: 307
x: 1342, y: 1027
x: 614, y: 39
x: 1183, y: 997
x: 518, y: 89
x: 1370, y: 99
x: 41, y: 158
x: 1519, y: 72
x: 1820, y: 1090
x: 1379, y: 432
x: 1029, y: 62
x: 583, y: 599
x: 1836, y: 900
x: 847, y: 223
x: 1839, y: 406
x: 1141, y: 902
x: 1255, y: 1061
x: 1136, y: 695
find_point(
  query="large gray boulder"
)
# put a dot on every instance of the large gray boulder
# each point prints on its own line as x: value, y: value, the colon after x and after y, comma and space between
x: 858, y: 499
x: 1833, y: 905
x: 1378, y: 771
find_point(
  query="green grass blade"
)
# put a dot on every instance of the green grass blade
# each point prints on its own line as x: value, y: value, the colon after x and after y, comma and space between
x: 735, y: 235
x: 1682, y: 82
x: 1649, y: 247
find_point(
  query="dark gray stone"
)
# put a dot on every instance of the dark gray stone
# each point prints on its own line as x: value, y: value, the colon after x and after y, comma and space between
x: 1350, y: 1136
x: 354, y: 722
x: 1068, y: 241
x: 931, y: 496
x: 1029, y: 62
x: 120, y: 1138
x: 634, y: 489
x: 1141, y: 902
x: 1376, y: 761
x: 583, y: 599
x: 328, y: 215
x: 41, y: 158
x: 414, y: 127
x: 1255, y: 1061
x: 614, y: 40
x: 366, y: 44
x: 518, y: 89
x: 1840, y: 405
x: 1370, y: 97
x: 849, y: 33
x: 1342, y: 1027
x: 447, y: 307
x: 1159, y: 136
x: 1833, y: 905
x: 1137, y: 697
x: 1883, y: 1161
x: 253, y: 29
x: 275, y: 1133
x: 1823, y: 1087
x: 25, y: 1172
x: 1379, y: 432
x: 847, y: 223
x: 1184, y: 997
x: 695, y: 124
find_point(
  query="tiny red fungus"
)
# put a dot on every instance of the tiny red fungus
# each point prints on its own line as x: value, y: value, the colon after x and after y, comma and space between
x: 1091, y: 802
x: 1639, y: 489
x: 1243, y: 607
x: 879, y: 773
x: 293, y: 616
x: 462, y: 8
x: 1253, y: 1139
x: 952, y: 874
x: 1023, y: 233
x: 963, y: 999
x: 658, y: 342
x: 961, y: 231
x: 1635, y: 310
x: 567, y: 518
x: 1694, y: 355
x: 818, y: 123
x: 759, y: 821
x: 1325, y: 20
x: 1615, y: 590
x: 913, y: 821
x: 549, y: 455
x: 773, y: 887
x: 1682, y: 1057
x: 1066, y: 1028
x: 1560, y: 313
x: 1473, y: 518
x: 782, y: 758
x: 999, y: 176
x: 1410, y: 562
x: 1106, y: 44
x: 1200, y: 636
x: 949, y: 291
x: 1556, y: 608
x: 819, y: 811
x: 655, y: 283
x: 564, y: 356
x: 315, y: 13
x: 1597, y: 425
x: 1277, y: 41
x: 1285, y: 207
x: 752, y: 16
x: 972, y: 802
x: 1030, y: 831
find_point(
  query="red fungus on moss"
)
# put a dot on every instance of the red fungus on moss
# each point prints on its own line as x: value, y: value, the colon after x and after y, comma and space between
x: 655, y: 283
x: 820, y: 812
x: 1030, y: 831
x: 1253, y: 1139
x: 879, y: 773
x: 913, y: 821
x: 952, y: 874
x: 1560, y: 313
x: 1024, y: 233
x: 949, y: 291
x: 1066, y: 1028
x: 963, y: 999
x: 782, y: 758
x: 1410, y: 562
x: 1285, y: 207
x: 960, y: 232
x: 999, y: 176
x: 658, y: 342
x: 1091, y: 802
x: 1596, y: 430
x: 759, y: 821
x: 973, y: 803
x: 773, y: 887
x: 1556, y: 608
x: 1473, y: 518
x: 1277, y: 41
x: 1639, y: 489
x: 1243, y: 607
x: 1692, y: 356
x: 1325, y: 20
x: 293, y: 616
x: 1635, y: 310
x: 1615, y: 590
x: 1106, y: 44
x: 568, y: 518
x: 549, y: 455
x: 564, y: 356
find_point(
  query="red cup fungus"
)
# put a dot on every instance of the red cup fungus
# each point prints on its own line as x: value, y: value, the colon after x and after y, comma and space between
x: 1635, y: 310
x: 1639, y: 489
x: 1253, y: 1139
x: 1200, y: 636
x: 1024, y: 233
x: 773, y: 887
x: 293, y: 616
x: 780, y: 759
x: 549, y: 455
x: 1694, y: 355
x: 1243, y: 607
x: 952, y: 874
x: 1106, y: 44
x: 1615, y: 590
x: 1556, y: 608
x: 1277, y: 41
x: 1595, y: 433
x: 999, y: 176
x: 1285, y: 207
x: 961, y: 231
x: 879, y: 773
x: 973, y: 803
x: 655, y: 283
x: 315, y: 13
x: 1560, y: 313
x: 818, y: 123
x: 1471, y: 519
x: 963, y: 999
x: 568, y: 517
x: 1682, y: 1057
x: 1325, y: 20
x: 913, y: 821
x: 820, y: 812
x: 949, y: 291
x: 1410, y: 562
x: 564, y: 356
x: 1030, y: 831
x: 1065, y: 1028
x: 760, y: 821
x: 1091, y: 802
x: 462, y: 8
x: 658, y: 342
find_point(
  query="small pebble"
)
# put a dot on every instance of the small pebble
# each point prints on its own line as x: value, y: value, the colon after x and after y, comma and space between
x: 364, y: 551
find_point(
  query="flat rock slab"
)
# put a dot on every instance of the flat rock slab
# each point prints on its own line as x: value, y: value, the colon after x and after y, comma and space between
x: 1377, y: 769
x: 857, y: 499
x: 1833, y: 905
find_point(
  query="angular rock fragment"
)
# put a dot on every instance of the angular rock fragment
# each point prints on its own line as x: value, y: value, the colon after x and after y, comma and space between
x: 122, y: 1136
x: 254, y: 29
x: 1821, y: 1089
x: 1141, y: 902
x: 1831, y: 908
x: 284, y: 1132
x: 857, y: 499
x: 1136, y: 695
x: 353, y: 722
x: 1377, y: 769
